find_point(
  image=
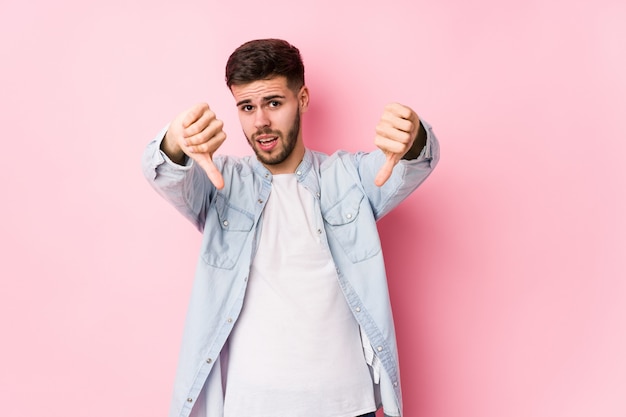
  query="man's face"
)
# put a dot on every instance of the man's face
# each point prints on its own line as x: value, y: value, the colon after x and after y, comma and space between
x: 269, y: 112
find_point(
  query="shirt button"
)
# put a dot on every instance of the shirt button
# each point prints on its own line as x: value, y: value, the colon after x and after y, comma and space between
x: 358, y: 309
x: 319, y: 231
x: 260, y: 201
x: 395, y: 384
x: 189, y: 400
x: 349, y: 215
x: 318, y: 195
x: 379, y: 348
x: 229, y: 320
x: 267, y: 175
x: 298, y: 172
x: 209, y: 360
x: 225, y: 223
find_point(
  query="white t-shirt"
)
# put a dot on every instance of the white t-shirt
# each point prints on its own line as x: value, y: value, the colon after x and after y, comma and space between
x: 296, y: 349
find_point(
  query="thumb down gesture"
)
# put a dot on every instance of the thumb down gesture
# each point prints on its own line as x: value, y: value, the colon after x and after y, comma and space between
x: 395, y: 133
x: 196, y: 133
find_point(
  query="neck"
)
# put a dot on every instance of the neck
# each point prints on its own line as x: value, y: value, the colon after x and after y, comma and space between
x: 291, y: 163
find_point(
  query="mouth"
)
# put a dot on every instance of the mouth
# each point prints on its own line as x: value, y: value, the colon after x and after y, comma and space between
x: 267, y: 142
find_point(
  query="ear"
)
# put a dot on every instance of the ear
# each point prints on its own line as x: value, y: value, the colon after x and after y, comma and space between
x: 303, y: 98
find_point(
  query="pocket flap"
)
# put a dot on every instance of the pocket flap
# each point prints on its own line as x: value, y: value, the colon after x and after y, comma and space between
x: 232, y: 218
x: 345, y: 210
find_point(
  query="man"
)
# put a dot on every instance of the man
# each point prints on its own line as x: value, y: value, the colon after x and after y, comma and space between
x: 289, y: 313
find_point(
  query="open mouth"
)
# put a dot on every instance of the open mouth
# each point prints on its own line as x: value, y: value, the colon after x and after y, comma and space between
x: 267, y: 143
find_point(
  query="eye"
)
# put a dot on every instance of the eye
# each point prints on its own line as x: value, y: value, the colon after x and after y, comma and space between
x: 274, y: 103
x: 247, y: 107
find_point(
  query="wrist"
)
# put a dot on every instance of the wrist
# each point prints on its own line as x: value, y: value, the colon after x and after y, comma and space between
x: 418, y: 144
x: 173, y: 151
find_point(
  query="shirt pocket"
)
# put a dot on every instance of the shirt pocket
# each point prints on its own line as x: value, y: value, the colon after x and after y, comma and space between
x: 226, y: 232
x: 350, y: 220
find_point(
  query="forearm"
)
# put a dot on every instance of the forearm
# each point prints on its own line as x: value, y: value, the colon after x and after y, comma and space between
x: 182, y: 185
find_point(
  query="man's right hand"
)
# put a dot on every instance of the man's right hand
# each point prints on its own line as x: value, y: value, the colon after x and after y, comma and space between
x: 197, y: 134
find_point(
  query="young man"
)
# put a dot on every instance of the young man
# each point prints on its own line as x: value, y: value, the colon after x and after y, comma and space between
x: 289, y: 313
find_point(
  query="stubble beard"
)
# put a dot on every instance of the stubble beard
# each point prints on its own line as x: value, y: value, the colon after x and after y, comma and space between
x: 290, y: 144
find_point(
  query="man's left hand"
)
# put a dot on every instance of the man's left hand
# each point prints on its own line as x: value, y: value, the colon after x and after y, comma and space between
x: 395, y: 133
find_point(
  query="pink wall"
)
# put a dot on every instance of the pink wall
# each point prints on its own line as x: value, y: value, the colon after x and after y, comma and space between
x: 509, y: 297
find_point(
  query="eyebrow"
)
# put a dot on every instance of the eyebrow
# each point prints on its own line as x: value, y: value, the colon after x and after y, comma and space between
x: 265, y: 99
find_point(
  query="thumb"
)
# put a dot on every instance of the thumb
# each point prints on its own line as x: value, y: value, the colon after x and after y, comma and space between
x: 206, y: 163
x: 385, y: 171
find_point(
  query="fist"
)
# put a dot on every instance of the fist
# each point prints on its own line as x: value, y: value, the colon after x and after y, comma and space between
x: 196, y: 133
x: 395, y: 134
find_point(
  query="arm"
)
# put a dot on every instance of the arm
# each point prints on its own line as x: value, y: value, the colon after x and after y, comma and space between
x: 178, y: 162
x: 413, y: 166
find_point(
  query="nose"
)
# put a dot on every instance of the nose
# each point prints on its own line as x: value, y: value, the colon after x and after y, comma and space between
x: 261, y: 119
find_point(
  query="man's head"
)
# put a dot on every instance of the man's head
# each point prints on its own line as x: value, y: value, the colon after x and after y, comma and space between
x: 263, y: 59
x: 266, y: 78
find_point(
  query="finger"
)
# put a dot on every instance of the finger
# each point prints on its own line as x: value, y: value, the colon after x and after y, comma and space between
x: 401, y: 117
x: 200, y: 124
x: 390, y: 134
x: 399, y: 110
x: 397, y: 122
x: 209, y: 146
x: 194, y: 113
x: 215, y: 176
x: 385, y: 171
x: 214, y: 129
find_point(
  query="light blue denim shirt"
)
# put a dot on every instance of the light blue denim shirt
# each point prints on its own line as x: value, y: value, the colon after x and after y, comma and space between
x: 230, y: 219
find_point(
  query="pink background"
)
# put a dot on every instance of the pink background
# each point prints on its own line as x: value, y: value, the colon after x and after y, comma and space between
x: 507, y: 268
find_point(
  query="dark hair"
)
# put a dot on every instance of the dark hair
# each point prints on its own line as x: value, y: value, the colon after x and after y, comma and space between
x: 263, y: 59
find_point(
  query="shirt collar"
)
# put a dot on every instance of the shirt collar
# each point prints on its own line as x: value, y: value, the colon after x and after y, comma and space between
x: 301, y: 171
